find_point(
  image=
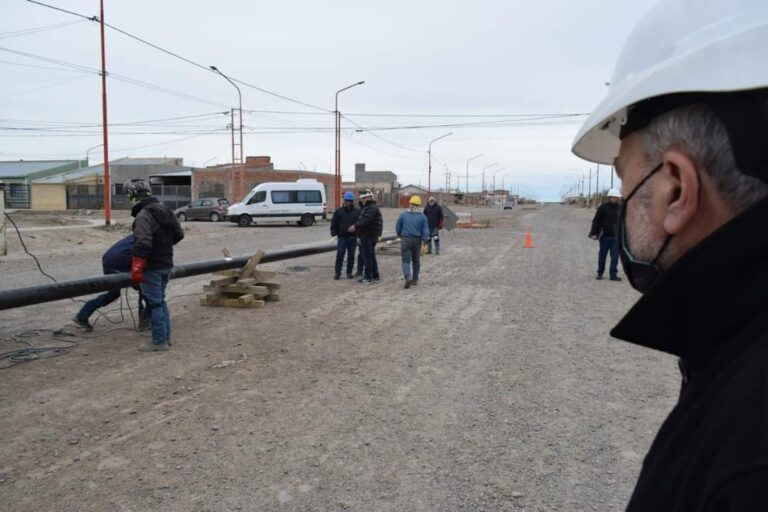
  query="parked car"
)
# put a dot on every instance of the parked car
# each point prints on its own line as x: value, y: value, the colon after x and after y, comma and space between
x: 301, y: 202
x: 509, y: 206
x: 207, y: 208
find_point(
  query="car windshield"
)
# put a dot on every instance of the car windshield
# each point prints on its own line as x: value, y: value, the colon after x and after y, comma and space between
x: 223, y: 202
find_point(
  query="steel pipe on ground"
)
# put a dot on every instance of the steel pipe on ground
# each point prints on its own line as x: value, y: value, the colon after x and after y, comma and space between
x: 20, y: 297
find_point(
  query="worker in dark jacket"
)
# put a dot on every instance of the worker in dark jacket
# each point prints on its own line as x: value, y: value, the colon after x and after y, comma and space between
x: 686, y: 124
x: 344, y: 217
x: 155, y: 230
x: 435, y: 218
x: 369, y: 227
x: 116, y: 260
x: 604, y: 229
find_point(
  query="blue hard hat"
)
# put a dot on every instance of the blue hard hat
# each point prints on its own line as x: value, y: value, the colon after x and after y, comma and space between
x: 349, y: 196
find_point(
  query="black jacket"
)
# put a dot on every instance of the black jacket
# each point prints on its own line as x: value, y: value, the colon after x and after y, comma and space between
x: 370, y: 222
x: 343, y: 218
x: 605, y: 221
x: 434, y: 215
x: 155, y: 230
x: 711, y: 310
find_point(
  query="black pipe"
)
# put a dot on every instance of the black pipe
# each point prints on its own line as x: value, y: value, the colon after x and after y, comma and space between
x: 20, y: 297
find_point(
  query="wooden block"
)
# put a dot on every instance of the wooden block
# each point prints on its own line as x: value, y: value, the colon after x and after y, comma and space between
x: 272, y: 297
x: 271, y: 285
x: 263, y: 275
x: 246, y: 299
x: 250, y: 267
x: 229, y: 272
x: 223, y: 281
x: 248, y: 281
x: 234, y: 289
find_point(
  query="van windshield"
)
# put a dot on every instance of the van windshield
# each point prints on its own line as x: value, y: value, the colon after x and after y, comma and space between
x: 258, y: 197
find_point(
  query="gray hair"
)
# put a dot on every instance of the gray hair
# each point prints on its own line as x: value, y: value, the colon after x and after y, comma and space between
x: 696, y: 130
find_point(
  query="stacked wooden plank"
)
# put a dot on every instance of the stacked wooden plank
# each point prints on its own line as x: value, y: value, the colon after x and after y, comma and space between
x: 247, y: 287
x: 389, y: 247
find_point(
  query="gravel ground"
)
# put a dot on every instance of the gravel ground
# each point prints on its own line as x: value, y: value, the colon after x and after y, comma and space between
x: 491, y: 386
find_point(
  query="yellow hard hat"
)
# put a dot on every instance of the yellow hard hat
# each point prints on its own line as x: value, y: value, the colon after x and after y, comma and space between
x: 415, y: 201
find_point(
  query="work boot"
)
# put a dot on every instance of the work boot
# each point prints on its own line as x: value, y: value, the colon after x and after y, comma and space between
x: 407, y: 283
x: 83, y: 323
x: 148, y: 346
x: 599, y: 277
x: 615, y: 278
x: 350, y: 275
x: 337, y: 277
x: 415, y: 282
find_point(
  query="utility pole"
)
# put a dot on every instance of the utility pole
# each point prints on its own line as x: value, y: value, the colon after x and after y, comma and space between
x: 611, y: 176
x: 597, y: 181
x: 589, y: 189
x: 107, y: 187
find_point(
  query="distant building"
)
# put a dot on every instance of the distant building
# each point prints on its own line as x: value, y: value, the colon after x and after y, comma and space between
x: 84, y: 188
x: 18, y: 176
x: 216, y: 181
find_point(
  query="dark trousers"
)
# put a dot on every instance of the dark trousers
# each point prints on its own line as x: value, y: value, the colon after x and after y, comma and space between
x: 608, y: 244
x: 410, y: 252
x: 368, y: 248
x: 346, y: 246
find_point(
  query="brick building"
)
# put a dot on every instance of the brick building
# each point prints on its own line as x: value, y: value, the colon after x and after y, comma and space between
x: 216, y: 181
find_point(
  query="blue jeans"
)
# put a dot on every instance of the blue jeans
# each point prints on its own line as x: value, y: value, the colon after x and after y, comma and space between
x: 346, y: 245
x: 608, y: 244
x: 410, y: 251
x: 434, y: 233
x: 368, y: 248
x: 92, y: 305
x: 154, y: 291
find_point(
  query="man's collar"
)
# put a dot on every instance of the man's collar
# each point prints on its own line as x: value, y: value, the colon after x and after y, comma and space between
x: 708, y: 294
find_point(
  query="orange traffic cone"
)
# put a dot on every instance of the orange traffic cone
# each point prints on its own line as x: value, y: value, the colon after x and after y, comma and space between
x: 528, y: 244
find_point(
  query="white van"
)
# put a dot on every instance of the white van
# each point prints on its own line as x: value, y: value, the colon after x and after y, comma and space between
x: 301, y: 202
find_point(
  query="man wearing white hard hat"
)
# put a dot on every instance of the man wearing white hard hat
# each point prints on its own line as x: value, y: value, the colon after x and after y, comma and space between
x: 686, y: 122
x: 604, y: 230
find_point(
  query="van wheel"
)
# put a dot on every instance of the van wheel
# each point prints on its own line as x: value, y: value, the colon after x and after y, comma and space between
x: 215, y: 217
x: 307, y: 220
x: 244, y: 221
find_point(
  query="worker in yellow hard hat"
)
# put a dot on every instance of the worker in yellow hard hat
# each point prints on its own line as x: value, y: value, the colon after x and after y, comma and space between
x: 413, y: 230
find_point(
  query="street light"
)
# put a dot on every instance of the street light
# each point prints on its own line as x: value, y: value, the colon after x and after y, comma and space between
x: 233, y: 179
x: 210, y: 159
x: 466, y: 184
x: 506, y: 196
x: 337, y: 177
x: 429, y: 175
x: 493, y: 187
x: 482, y: 189
x: 88, y: 151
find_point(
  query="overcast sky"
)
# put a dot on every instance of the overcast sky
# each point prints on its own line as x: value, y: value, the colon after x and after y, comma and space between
x: 425, y: 63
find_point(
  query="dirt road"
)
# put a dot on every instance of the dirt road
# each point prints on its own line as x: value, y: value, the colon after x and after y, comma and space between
x: 491, y: 386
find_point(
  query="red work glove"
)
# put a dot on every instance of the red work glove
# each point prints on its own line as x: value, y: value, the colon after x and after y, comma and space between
x: 440, y: 224
x: 137, y: 269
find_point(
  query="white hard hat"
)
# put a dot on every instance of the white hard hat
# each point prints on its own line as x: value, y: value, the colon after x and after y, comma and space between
x: 614, y: 192
x: 680, y: 46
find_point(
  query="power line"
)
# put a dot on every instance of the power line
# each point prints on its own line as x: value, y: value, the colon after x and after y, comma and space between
x: 380, y: 137
x: 45, y: 28
x: 115, y: 76
x: 185, y: 59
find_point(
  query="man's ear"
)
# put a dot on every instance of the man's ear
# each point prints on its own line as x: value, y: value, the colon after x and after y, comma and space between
x: 682, y: 198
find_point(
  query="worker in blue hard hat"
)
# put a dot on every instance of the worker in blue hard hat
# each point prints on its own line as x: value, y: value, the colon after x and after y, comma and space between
x: 342, y: 219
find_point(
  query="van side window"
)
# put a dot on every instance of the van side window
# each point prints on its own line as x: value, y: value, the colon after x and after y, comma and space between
x: 258, y: 197
x: 283, y: 196
x: 309, y: 196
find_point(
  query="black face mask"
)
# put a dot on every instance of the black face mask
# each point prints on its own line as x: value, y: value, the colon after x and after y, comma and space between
x: 641, y: 274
